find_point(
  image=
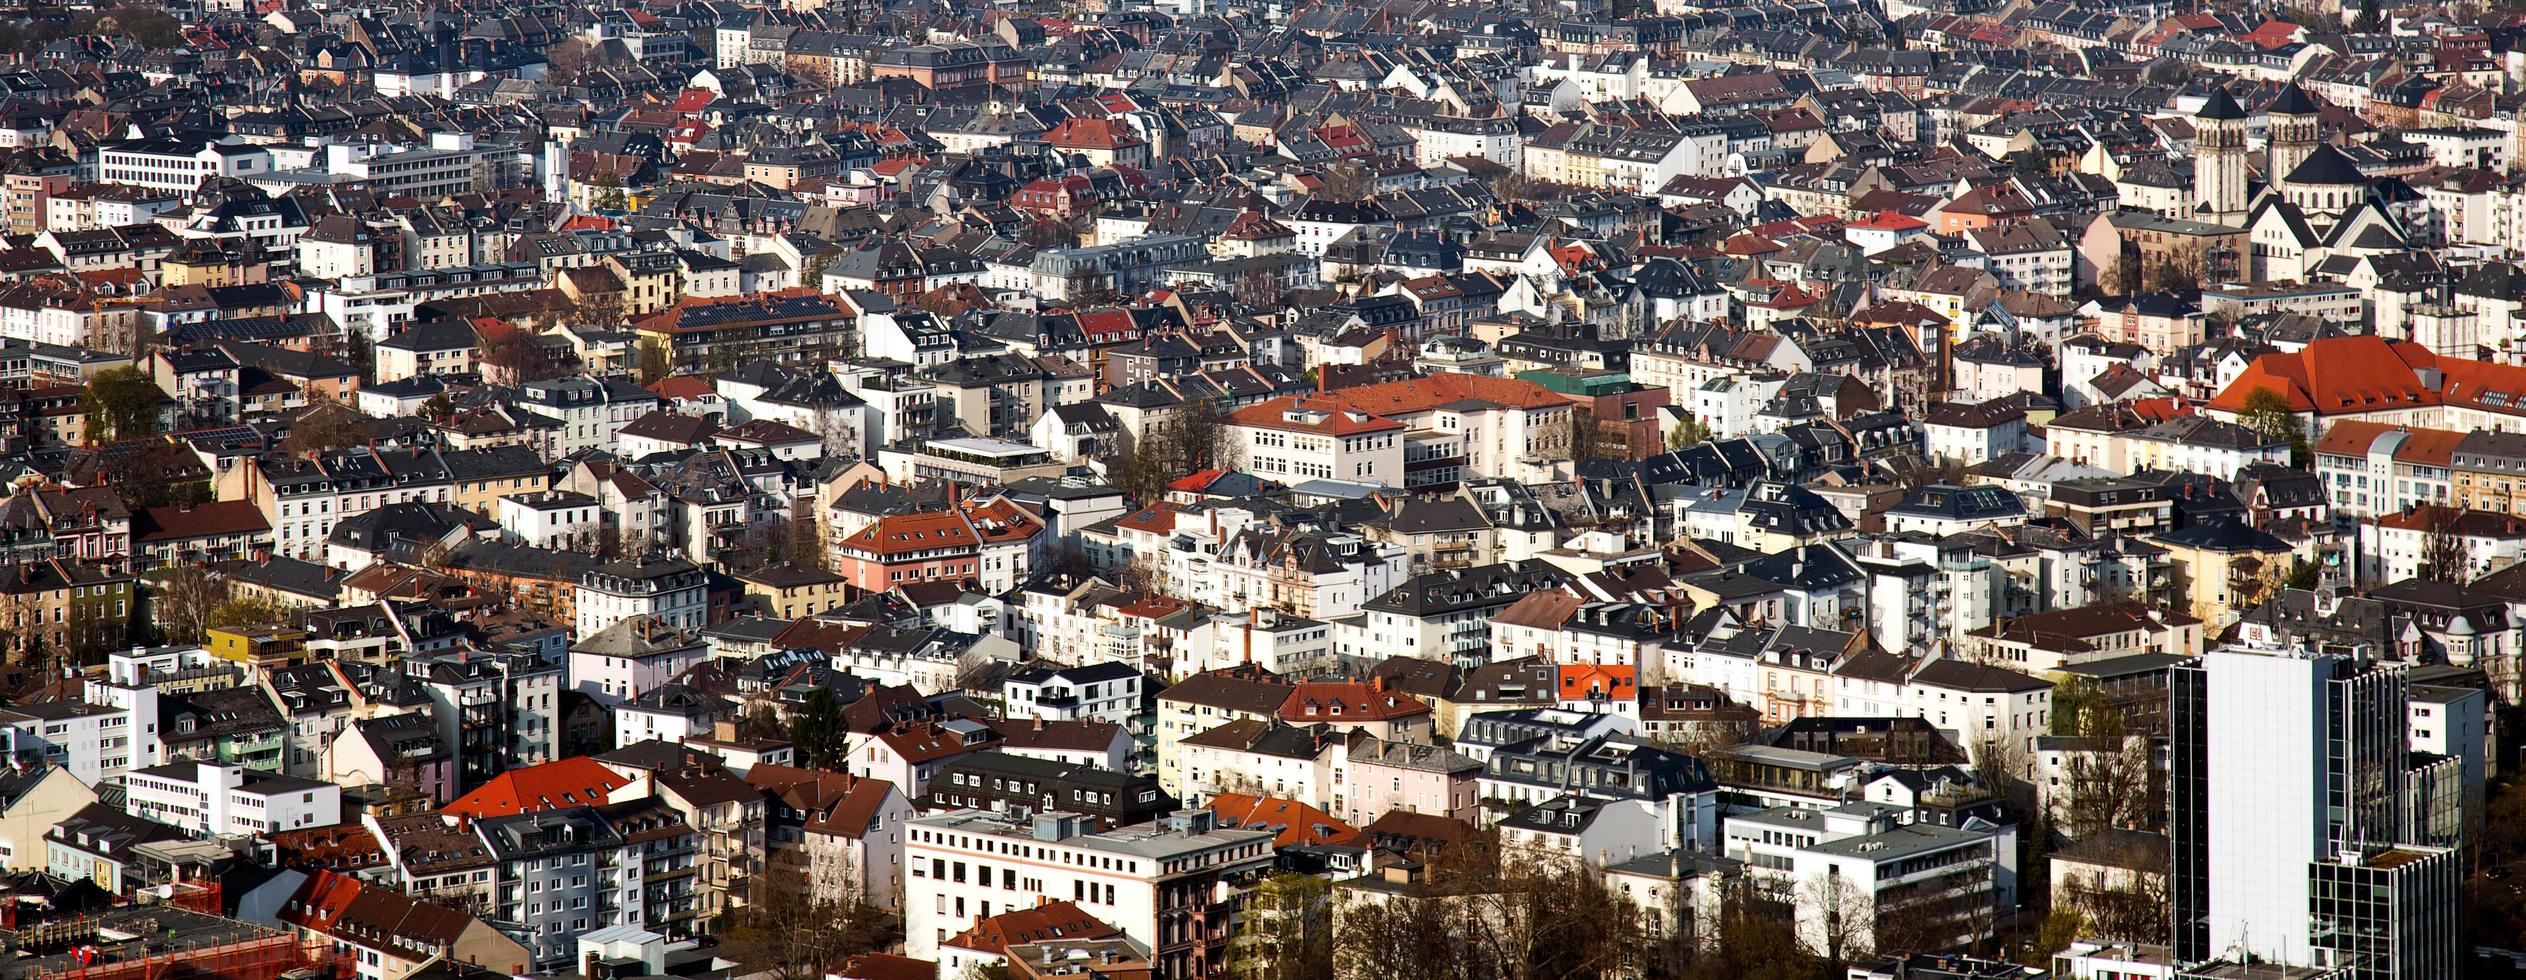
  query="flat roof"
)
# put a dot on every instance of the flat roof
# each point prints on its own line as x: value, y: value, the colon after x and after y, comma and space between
x: 981, y: 446
x: 1901, y: 842
x: 1139, y: 840
x: 2124, y: 666
x: 1796, y: 758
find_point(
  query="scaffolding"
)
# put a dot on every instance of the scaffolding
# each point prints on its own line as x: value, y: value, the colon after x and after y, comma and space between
x: 234, y: 956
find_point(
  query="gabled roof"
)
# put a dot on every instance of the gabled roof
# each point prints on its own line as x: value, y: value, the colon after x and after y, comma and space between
x: 1294, y: 822
x: 578, y: 781
x: 1051, y: 920
x: 2338, y: 375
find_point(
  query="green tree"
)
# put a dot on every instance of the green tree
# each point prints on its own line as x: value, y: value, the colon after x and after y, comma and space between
x: 2369, y: 20
x: 121, y: 403
x: 813, y: 275
x: 2267, y: 412
x: 821, y: 735
x: 609, y: 194
x: 2055, y: 935
x: 1688, y: 432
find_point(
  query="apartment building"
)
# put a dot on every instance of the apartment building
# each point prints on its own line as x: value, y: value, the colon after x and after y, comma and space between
x: 2372, y: 468
x: 1860, y: 875
x: 224, y: 801
x: 1168, y: 884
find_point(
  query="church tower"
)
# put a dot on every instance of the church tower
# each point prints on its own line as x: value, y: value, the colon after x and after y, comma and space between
x: 2219, y: 166
x: 2291, y: 120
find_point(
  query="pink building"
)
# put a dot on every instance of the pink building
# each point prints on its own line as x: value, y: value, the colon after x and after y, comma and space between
x: 1378, y: 776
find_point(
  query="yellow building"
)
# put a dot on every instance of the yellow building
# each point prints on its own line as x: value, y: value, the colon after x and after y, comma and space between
x: 793, y: 592
x: 262, y: 646
x: 2224, y: 568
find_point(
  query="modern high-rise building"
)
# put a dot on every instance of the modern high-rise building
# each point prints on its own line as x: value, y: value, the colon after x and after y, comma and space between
x: 2292, y: 821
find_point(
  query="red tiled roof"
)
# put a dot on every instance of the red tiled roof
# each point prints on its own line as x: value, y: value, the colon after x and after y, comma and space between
x: 1197, y: 482
x: 578, y: 781
x: 1422, y: 394
x: 1080, y: 132
x: 1049, y: 921
x: 1891, y: 221
x: 2353, y: 437
x: 1295, y: 823
x: 1157, y: 518
x: 1336, y: 418
x: 2343, y: 375
x: 683, y: 386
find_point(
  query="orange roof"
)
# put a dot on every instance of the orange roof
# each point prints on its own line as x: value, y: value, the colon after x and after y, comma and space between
x: 1312, y: 413
x: 999, y: 520
x: 1197, y: 482
x: 2158, y: 409
x: 1049, y: 921
x: 2427, y: 447
x: 1157, y: 518
x: 2344, y: 375
x: 320, y: 900
x: 969, y: 525
x: 1891, y: 221
x: 576, y: 781
x: 1296, y: 823
x: 1348, y: 701
x: 682, y: 386
x: 1079, y: 132
x: 914, y: 532
x: 1618, y: 681
x: 1423, y: 394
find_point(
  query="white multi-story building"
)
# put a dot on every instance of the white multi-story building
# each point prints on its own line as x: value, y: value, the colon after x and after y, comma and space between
x: 1156, y: 882
x: 2294, y: 797
x: 223, y: 800
x: 667, y: 590
x: 2372, y: 468
x: 1852, y: 867
x: 631, y: 656
x: 178, y: 165
x: 93, y: 740
x: 550, y: 519
x: 1101, y: 691
x: 1296, y: 438
x: 447, y: 165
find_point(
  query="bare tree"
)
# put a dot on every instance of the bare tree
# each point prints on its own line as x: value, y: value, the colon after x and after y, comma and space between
x: 1286, y: 931
x: 807, y: 537
x: 2445, y: 554
x: 784, y: 932
x: 2107, y: 781
x: 1519, y: 919
x: 183, y: 601
x: 2133, y: 908
x: 1845, y: 920
x: 1750, y: 933
x: 565, y: 61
